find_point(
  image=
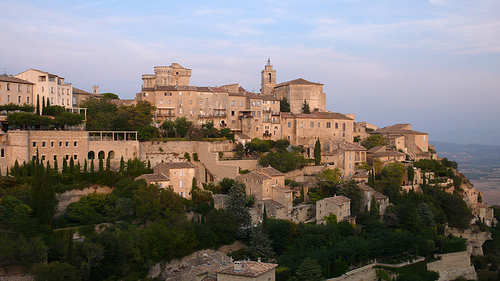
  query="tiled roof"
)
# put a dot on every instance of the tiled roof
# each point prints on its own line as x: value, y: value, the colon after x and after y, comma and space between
x: 45, y: 72
x: 378, y: 148
x: 270, y: 171
x: 379, y: 195
x: 175, y: 88
x: 250, y: 269
x: 299, y: 81
x: 80, y: 92
x: 244, y: 137
x: 176, y: 165
x: 316, y: 115
x: 270, y: 97
x: 349, y: 146
x: 4, y: 78
x: 338, y: 200
x: 274, y: 204
x: 364, y: 187
x: 400, y: 129
x: 153, y: 177
x: 254, y: 175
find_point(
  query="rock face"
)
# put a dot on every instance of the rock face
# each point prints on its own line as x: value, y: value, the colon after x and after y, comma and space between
x: 74, y: 195
x: 475, y: 238
x: 453, y: 265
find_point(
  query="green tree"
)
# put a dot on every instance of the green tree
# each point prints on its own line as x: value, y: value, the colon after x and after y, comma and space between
x: 309, y: 270
x: 260, y: 244
x: 236, y: 204
x: 411, y: 174
x: 42, y: 193
x: 110, y: 96
x: 317, y: 152
x: 187, y: 157
x: 56, y: 271
x: 284, y: 105
x: 305, y: 108
x: 101, y: 114
x: 372, y: 141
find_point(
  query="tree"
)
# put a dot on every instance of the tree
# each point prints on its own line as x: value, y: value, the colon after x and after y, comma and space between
x: 284, y: 105
x: 317, y: 152
x: 110, y: 96
x: 411, y: 174
x: 42, y: 193
x: 372, y: 141
x: 305, y: 108
x: 260, y: 244
x: 187, y: 157
x: 236, y: 204
x: 309, y: 270
x: 56, y: 271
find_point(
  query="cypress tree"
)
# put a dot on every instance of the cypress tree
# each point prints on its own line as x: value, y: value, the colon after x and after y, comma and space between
x: 122, y: 165
x: 38, y: 104
x: 305, y: 108
x: 65, y: 166
x: 265, y: 222
x: 48, y: 102
x: 317, y: 152
x: 108, y: 164
x: 43, y: 106
x: 101, y: 165
x: 56, y: 168
x: 71, y: 166
x: 92, y: 166
x: 85, y: 166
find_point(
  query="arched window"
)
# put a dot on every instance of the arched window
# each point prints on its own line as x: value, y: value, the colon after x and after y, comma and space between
x: 101, y: 155
x: 91, y: 155
x: 2, y: 153
x: 111, y: 154
x: 269, y: 77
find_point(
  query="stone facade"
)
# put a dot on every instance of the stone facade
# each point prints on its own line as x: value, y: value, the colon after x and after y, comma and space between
x: 413, y: 143
x: 15, y: 90
x: 340, y: 206
x: 346, y: 156
x: 50, y: 87
x: 51, y: 146
x: 176, y: 175
x: 369, y: 193
x: 453, y: 265
x: 248, y: 270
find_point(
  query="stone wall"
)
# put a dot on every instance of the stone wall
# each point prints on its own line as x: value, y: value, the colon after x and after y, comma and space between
x: 365, y: 273
x: 74, y: 195
x: 475, y: 239
x: 243, y: 164
x: 18, y: 278
x: 303, y: 213
x: 299, y: 175
x: 453, y: 265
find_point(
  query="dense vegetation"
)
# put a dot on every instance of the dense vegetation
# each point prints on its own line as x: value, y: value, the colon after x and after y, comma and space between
x: 135, y: 226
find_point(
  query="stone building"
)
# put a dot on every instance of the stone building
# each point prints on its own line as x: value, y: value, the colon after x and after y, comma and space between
x: 346, y: 156
x: 80, y: 95
x: 15, y: 90
x: 299, y: 91
x: 369, y: 193
x: 338, y: 205
x: 50, y: 87
x: 267, y: 186
x: 413, y: 143
x: 385, y: 155
x: 51, y: 146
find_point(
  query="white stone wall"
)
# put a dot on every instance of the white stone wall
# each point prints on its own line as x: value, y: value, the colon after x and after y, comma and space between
x: 453, y: 265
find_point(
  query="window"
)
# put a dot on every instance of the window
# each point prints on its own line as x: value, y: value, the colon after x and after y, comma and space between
x: 289, y: 124
x: 181, y: 173
x: 336, y: 125
x: 312, y: 124
x: 75, y: 143
x: 328, y: 125
x: 67, y: 143
x: 161, y: 101
x: 75, y: 157
x: 319, y: 125
x: 42, y: 89
x: 343, y: 126
x: 67, y: 157
x: 55, y: 157
x: 301, y: 124
x: 241, y: 103
x: 232, y: 113
x: 27, y: 99
x: 60, y: 143
x: 43, y: 157
x: 190, y: 101
x: 34, y: 144
x: 19, y: 87
x: 181, y: 183
x: 233, y: 103
x: 28, y: 88
x: 51, y: 90
x: 18, y: 99
x: 169, y: 101
x: 43, y: 144
x: 258, y: 113
x: 8, y: 86
x: 180, y: 102
x: 2, y: 153
x: 8, y: 98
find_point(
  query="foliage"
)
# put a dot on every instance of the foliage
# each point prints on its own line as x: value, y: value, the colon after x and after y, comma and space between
x: 260, y: 244
x: 14, y: 107
x: 283, y: 161
x: 236, y: 204
x: 305, y: 108
x: 317, y: 152
x: 42, y: 193
x: 372, y: 141
x: 284, y: 105
x: 56, y: 271
x: 309, y: 270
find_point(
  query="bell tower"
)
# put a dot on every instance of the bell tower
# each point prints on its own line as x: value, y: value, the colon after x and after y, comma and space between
x: 268, y: 79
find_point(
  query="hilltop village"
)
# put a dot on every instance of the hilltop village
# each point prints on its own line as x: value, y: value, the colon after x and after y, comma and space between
x: 279, y: 153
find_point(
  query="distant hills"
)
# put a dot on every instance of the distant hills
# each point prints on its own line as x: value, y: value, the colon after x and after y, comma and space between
x: 476, y: 161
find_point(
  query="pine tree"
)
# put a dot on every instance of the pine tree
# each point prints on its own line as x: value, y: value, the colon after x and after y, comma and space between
x: 309, y: 269
x: 317, y: 152
x: 236, y: 204
x: 265, y: 221
x: 260, y: 244
x: 284, y: 105
x: 305, y: 108
x: 149, y: 164
x: 48, y: 102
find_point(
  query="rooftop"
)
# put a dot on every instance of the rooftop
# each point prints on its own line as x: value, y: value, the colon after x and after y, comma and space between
x: 5, y: 78
x: 299, y: 81
x: 249, y: 269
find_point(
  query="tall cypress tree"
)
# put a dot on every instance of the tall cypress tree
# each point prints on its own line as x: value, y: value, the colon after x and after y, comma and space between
x: 317, y: 152
x: 71, y: 166
x: 101, y: 165
x: 92, y: 166
x: 122, y: 165
x: 42, y: 193
x: 65, y: 166
x: 38, y: 104
x: 85, y: 166
x: 108, y: 164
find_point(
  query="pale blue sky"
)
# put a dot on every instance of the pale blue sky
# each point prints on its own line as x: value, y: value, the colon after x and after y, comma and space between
x: 435, y: 64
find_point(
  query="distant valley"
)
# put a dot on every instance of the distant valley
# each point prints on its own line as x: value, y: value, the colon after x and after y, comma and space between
x: 480, y: 163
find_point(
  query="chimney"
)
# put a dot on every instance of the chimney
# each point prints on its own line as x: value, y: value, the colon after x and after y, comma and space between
x: 238, y: 266
x: 259, y: 260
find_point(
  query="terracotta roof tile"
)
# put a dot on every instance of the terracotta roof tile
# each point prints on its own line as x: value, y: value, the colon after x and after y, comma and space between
x: 299, y: 81
x: 250, y: 269
x: 4, y: 78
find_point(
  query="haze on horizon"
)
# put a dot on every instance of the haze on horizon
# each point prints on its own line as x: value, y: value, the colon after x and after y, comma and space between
x: 434, y: 64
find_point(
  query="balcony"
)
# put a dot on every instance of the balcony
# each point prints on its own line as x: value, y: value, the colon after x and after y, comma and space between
x: 165, y: 114
x: 275, y: 113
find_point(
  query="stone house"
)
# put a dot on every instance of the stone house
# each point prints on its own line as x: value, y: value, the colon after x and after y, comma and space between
x: 368, y: 193
x: 15, y: 90
x: 247, y: 270
x: 267, y: 186
x: 50, y: 87
x: 385, y: 155
x: 346, y: 156
x: 338, y: 205
x: 362, y: 129
x: 176, y: 175
x: 483, y: 213
x: 413, y: 143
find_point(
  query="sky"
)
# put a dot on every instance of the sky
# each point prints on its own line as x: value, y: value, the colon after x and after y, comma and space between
x: 434, y: 64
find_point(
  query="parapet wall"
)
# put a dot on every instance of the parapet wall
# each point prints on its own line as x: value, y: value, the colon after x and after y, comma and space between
x: 74, y: 195
x: 365, y: 273
x: 453, y: 265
